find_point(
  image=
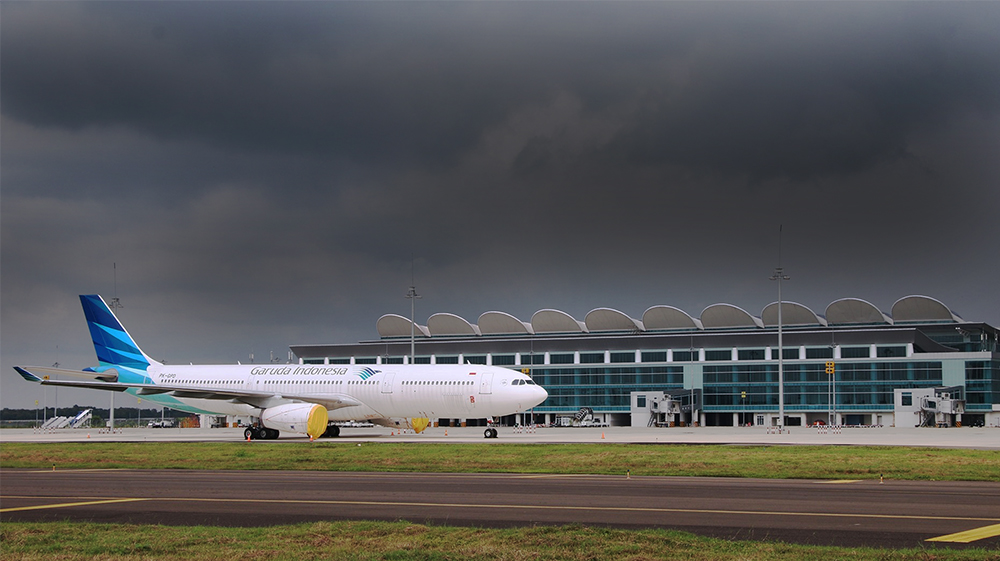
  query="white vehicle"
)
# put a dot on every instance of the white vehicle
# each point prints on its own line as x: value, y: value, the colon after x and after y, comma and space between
x: 305, y: 399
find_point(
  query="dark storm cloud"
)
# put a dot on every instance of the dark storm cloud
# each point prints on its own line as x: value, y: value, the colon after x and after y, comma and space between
x: 304, y: 77
x: 747, y: 90
x: 266, y: 171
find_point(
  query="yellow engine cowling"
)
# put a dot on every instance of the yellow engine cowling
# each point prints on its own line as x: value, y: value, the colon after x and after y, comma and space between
x: 308, y: 418
x: 417, y: 424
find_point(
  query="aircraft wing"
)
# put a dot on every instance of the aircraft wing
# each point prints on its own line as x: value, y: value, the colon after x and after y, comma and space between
x: 250, y: 397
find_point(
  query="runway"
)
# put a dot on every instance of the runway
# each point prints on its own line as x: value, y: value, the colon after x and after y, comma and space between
x: 846, y: 513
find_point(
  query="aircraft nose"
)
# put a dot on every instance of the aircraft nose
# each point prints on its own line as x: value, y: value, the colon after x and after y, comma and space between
x: 540, y: 394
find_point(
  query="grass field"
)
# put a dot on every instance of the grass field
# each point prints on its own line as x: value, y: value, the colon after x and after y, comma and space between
x: 780, y: 462
x: 401, y: 540
x: 404, y: 541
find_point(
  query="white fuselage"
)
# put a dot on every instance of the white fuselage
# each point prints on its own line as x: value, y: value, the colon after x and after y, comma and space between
x: 381, y: 391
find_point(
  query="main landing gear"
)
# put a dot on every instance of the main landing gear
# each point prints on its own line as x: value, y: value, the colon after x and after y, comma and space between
x: 490, y: 432
x: 332, y: 431
x: 260, y: 433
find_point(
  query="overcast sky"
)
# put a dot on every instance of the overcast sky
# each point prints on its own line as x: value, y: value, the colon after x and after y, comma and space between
x: 263, y: 174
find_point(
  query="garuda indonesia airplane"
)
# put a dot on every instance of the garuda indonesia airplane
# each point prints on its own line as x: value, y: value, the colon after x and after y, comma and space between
x: 305, y: 399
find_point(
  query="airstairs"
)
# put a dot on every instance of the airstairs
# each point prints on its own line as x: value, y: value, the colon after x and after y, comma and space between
x: 82, y: 419
x: 53, y: 422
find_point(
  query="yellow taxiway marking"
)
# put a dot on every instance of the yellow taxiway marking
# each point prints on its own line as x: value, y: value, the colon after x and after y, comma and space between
x: 518, y: 506
x: 64, y: 505
x: 970, y: 535
x: 842, y: 481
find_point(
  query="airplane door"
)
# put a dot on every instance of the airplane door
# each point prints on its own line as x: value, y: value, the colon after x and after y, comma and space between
x: 486, y: 383
x: 387, y: 380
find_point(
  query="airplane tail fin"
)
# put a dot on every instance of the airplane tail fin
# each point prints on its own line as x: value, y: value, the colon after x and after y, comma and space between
x: 114, y: 346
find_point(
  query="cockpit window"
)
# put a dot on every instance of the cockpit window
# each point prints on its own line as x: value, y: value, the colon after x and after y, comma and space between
x: 530, y: 382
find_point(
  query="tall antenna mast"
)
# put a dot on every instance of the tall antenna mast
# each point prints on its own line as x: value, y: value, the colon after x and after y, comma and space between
x: 412, y: 296
x: 116, y: 304
x: 780, y: 276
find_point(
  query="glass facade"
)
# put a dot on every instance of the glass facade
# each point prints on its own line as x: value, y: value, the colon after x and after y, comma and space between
x: 860, y: 385
x: 819, y: 352
x: 604, y: 389
x: 503, y: 360
x: 869, y: 385
x: 713, y: 355
x: 982, y: 384
x: 855, y: 352
x: 725, y: 383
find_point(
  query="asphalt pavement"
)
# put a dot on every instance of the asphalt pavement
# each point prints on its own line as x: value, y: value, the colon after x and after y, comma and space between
x: 846, y: 513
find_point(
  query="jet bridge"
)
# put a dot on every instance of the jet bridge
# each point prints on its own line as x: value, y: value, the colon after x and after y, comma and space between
x: 657, y: 409
x: 929, y: 407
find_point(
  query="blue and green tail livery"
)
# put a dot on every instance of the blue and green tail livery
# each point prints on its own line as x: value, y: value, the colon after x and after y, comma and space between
x: 114, y: 346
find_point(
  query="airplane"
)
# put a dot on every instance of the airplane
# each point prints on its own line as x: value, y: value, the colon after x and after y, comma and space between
x: 299, y: 398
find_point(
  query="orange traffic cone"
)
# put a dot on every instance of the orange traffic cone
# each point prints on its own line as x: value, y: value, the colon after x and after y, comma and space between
x: 602, y: 435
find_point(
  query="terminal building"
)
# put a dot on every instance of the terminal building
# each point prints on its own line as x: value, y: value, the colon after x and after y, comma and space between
x: 852, y: 365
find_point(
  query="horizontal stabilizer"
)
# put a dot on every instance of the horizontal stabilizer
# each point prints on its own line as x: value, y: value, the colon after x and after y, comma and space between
x: 39, y: 373
x: 27, y: 375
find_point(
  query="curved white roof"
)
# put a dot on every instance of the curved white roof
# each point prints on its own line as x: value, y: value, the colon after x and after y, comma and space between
x: 843, y: 312
x: 392, y: 325
x: 607, y: 319
x: 854, y: 310
x: 719, y: 316
x: 449, y: 324
x: 669, y: 317
x: 556, y: 321
x: 502, y: 323
x: 792, y: 313
x: 922, y: 308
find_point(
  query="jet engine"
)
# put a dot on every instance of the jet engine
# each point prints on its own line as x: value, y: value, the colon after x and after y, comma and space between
x: 417, y: 424
x: 308, y: 418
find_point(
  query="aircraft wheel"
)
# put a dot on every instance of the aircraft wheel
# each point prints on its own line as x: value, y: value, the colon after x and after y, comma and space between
x: 488, y: 433
x: 272, y: 434
x: 248, y: 434
x: 263, y: 433
x: 333, y: 431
